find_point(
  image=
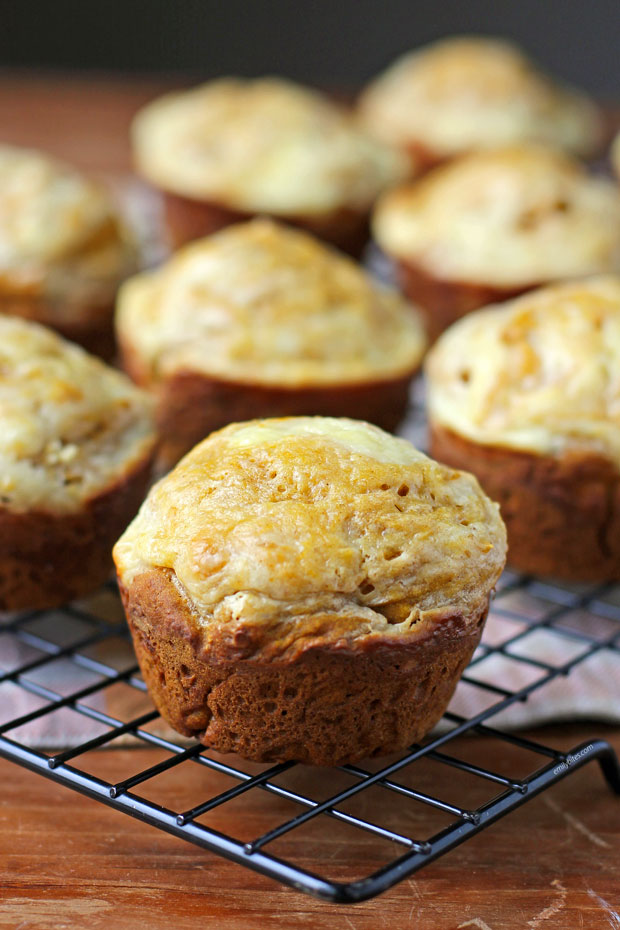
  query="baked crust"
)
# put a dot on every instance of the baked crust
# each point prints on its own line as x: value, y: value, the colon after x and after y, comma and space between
x: 48, y: 558
x: 615, y: 155
x: 537, y: 374
x: 64, y: 249
x: 71, y: 425
x: 265, y: 146
x: 422, y: 157
x: 471, y: 92
x: 562, y: 513
x: 76, y: 446
x: 311, y: 515
x: 187, y: 219
x: 308, y: 588
x: 442, y: 302
x: 315, y: 699
x: 264, y: 320
x: 192, y: 405
x: 91, y: 327
x: 502, y: 221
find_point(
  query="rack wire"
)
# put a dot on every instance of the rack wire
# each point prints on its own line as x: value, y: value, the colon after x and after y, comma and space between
x: 64, y: 667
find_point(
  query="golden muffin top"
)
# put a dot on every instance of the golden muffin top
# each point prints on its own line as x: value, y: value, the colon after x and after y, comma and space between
x: 540, y: 373
x: 330, y: 524
x: 515, y: 216
x: 262, y: 145
x: 264, y: 303
x: 60, y: 236
x: 468, y: 93
x: 70, y: 426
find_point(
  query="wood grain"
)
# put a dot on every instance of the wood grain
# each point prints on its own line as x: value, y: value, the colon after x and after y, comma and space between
x: 86, y: 122
x: 69, y: 862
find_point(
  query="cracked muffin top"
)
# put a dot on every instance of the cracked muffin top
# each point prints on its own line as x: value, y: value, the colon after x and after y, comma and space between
x: 317, y: 526
x: 540, y: 373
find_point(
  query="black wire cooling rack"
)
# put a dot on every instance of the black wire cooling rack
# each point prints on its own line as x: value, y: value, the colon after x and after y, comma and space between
x: 70, y: 679
x: 41, y: 652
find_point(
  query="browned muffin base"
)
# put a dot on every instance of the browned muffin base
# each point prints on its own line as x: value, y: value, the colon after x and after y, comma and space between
x: 324, y: 704
x: 190, y: 406
x: 188, y: 219
x: 562, y: 514
x: 443, y: 302
x: 91, y: 327
x: 47, y: 558
x: 424, y: 158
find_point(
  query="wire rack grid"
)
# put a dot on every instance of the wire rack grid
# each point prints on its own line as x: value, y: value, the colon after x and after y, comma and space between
x: 62, y: 669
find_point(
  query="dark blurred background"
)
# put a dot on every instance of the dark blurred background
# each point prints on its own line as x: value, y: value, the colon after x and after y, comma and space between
x: 338, y: 44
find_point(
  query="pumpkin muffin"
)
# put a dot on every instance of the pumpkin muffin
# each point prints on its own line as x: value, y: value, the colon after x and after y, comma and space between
x: 76, y: 443
x: 527, y: 397
x: 494, y: 224
x: 231, y: 149
x: 63, y: 248
x: 468, y: 93
x: 263, y: 320
x: 308, y: 589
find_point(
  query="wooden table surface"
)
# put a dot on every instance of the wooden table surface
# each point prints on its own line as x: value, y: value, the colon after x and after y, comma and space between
x: 69, y: 862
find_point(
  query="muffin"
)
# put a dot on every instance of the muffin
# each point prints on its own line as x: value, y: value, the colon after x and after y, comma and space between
x: 468, y: 93
x: 232, y: 148
x: 527, y: 397
x: 63, y: 248
x: 76, y: 442
x: 263, y: 320
x: 615, y: 155
x: 491, y: 225
x: 308, y: 589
